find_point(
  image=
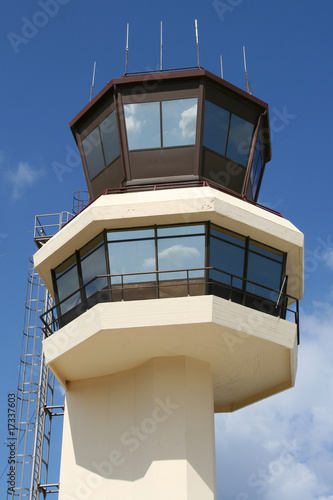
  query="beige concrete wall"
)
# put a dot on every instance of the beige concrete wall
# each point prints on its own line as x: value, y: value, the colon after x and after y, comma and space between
x: 145, y: 433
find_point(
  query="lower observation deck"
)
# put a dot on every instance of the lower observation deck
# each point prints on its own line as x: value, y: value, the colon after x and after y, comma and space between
x: 251, y: 354
x: 127, y: 287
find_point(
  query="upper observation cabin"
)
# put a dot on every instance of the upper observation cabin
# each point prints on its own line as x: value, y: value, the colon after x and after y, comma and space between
x: 179, y: 127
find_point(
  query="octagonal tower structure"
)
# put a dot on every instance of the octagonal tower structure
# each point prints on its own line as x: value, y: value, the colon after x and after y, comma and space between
x: 176, y: 293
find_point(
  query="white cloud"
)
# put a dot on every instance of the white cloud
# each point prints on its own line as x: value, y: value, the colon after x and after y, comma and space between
x: 133, y: 124
x: 188, y: 121
x: 25, y: 176
x: 177, y: 254
x: 253, y: 444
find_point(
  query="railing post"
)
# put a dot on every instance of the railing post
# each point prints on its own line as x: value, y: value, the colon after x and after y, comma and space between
x: 188, y: 282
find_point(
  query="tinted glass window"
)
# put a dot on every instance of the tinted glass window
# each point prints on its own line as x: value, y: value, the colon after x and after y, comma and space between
x: 67, y: 283
x: 180, y: 230
x: 256, y: 169
x: 93, y: 265
x: 130, y: 235
x: 179, y: 120
x: 216, y: 123
x: 230, y: 236
x: 93, y: 154
x: 229, y: 259
x: 264, y: 272
x: 239, y: 139
x: 132, y: 257
x: 181, y: 253
x: 109, y: 134
x: 65, y: 266
x: 266, y: 251
x: 143, y: 125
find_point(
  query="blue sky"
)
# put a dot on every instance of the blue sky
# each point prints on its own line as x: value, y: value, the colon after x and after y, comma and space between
x: 278, y: 448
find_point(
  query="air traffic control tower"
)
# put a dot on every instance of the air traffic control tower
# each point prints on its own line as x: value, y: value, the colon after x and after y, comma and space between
x: 176, y: 293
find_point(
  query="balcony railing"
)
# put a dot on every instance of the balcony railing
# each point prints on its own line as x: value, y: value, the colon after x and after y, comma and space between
x: 48, y: 225
x: 172, y: 283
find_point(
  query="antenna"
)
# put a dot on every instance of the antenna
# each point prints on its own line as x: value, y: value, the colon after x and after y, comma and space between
x: 221, y: 66
x: 161, y: 49
x: 247, y: 80
x: 197, y: 40
x: 93, y: 80
x: 126, y: 59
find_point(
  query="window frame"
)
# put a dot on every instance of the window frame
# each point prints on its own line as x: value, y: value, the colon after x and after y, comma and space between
x: 160, y: 101
x: 214, y: 151
x: 97, y: 127
x: 249, y: 246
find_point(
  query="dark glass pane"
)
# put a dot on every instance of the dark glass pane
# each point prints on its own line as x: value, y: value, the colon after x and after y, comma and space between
x: 62, y: 268
x: 257, y: 247
x: 92, y: 149
x: 216, y: 124
x: 179, y: 121
x: 93, y: 265
x: 143, y: 125
x: 239, y: 139
x: 226, y: 235
x: 256, y: 168
x: 181, y: 253
x: 257, y: 176
x: 73, y: 301
x: 227, y: 258
x: 265, y: 272
x: 89, y: 247
x: 132, y: 257
x: 110, y: 140
x: 180, y: 230
x: 130, y: 235
x: 68, y: 283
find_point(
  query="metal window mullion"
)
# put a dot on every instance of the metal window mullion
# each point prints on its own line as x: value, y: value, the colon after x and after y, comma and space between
x: 161, y: 125
x: 107, y: 261
x: 80, y: 277
x: 156, y: 262
x: 207, y: 255
x: 227, y: 138
x: 56, y: 293
x: 246, y: 266
x: 100, y: 138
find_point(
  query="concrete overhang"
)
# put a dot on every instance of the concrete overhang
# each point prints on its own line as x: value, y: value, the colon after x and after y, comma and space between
x: 252, y: 354
x: 175, y: 206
